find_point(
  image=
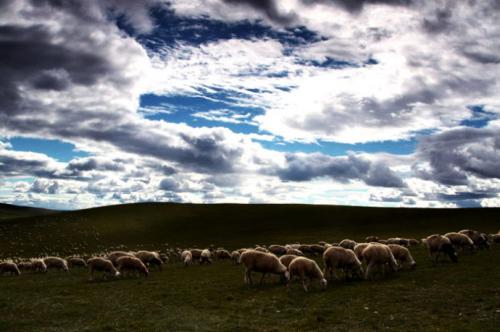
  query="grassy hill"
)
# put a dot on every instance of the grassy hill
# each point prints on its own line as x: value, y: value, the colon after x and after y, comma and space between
x: 8, y: 211
x: 230, y: 225
x: 444, y: 297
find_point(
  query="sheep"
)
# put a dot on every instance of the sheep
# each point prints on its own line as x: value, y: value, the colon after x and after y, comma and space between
x: 75, y: 261
x: 150, y: 258
x: 358, y: 250
x: 235, y: 256
x: 115, y: 255
x: 371, y: 238
x: 56, y: 263
x: 261, y: 249
x: 318, y: 249
x: 345, y: 260
x: 306, y: 270
x: 277, y: 249
x: 402, y: 255
x: 462, y: 241
x: 25, y: 266
x: 222, y: 254
x: 10, y: 268
x: 495, y: 238
x: 378, y: 255
x: 347, y: 244
x: 131, y: 264
x: 38, y: 265
x: 102, y: 265
x: 480, y: 241
x: 292, y: 246
x: 164, y: 258
x: 398, y: 240
x: 296, y: 252
x: 413, y: 242
x: 257, y: 261
x: 437, y: 245
x: 187, y: 257
x: 196, y: 254
x: 306, y: 249
x: 206, y: 257
x: 287, y: 259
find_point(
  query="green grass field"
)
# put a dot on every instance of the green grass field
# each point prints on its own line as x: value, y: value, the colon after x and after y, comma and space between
x: 446, y: 297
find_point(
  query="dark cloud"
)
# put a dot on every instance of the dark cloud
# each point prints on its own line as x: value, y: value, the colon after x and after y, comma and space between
x: 439, y: 22
x: 168, y: 184
x: 456, y: 154
x: 269, y: 8
x: 45, y: 187
x: 355, y: 6
x: 302, y: 167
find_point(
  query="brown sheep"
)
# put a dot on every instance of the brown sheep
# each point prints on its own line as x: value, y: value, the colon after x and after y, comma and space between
x: 38, y: 265
x: 75, y: 261
x: 56, y: 263
x: 114, y: 255
x: 127, y: 264
x: 101, y: 265
x: 287, y: 259
x: 150, y: 258
x: 341, y: 259
x: 318, y: 249
x: 10, y: 268
x: 196, y: 254
x: 358, y: 250
x: 479, y: 239
x: 347, y: 244
x: 461, y: 241
x: 378, y: 255
x: 306, y: 249
x: 257, y: 261
x: 402, y: 255
x: 437, y: 245
x: 277, y: 249
x: 25, y: 266
x: 296, y: 252
x: 306, y: 270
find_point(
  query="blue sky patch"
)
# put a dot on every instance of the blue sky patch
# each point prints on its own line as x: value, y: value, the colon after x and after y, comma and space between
x: 59, y: 150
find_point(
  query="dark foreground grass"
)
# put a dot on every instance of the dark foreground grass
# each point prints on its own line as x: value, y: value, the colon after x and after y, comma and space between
x: 447, y: 297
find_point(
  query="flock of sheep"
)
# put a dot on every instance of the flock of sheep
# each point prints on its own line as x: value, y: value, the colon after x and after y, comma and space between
x: 344, y: 260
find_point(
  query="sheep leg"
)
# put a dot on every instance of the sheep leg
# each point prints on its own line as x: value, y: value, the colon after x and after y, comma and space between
x: 368, y: 271
x: 304, y: 283
x: 262, y: 278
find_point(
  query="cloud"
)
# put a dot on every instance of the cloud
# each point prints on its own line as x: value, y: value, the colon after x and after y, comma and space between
x: 269, y: 8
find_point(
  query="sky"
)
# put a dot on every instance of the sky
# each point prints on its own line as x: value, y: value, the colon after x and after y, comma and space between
x: 351, y: 102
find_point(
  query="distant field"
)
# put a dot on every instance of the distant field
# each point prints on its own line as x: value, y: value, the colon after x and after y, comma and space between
x: 8, y: 211
x: 447, y: 297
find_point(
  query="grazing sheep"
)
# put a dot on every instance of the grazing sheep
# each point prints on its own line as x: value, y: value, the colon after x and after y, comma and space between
x: 101, y: 265
x: 257, y: 261
x: 235, y: 256
x: 56, y: 263
x: 10, y: 268
x: 402, y: 255
x: 437, y: 245
x: 196, y: 254
x: 287, y: 259
x: 306, y: 249
x: 164, y: 258
x: 277, y: 249
x: 378, y: 255
x: 115, y: 255
x: 75, y: 261
x: 222, y: 254
x: 382, y: 241
x: 38, y: 265
x: 462, y: 241
x: 150, y: 258
x: 261, y: 249
x: 398, y: 240
x: 371, y: 238
x: 187, y: 257
x: 317, y: 249
x: 495, y: 238
x: 480, y: 240
x: 358, y: 250
x: 25, y: 266
x: 341, y: 259
x: 413, y: 242
x: 296, y: 252
x: 127, y: 264
x: 206, y: 257
x: 292, y: 246
x: 347, y: 244
x: 306, y: 270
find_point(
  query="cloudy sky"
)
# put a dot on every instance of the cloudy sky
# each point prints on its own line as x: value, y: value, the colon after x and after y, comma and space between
x: 358, y: 102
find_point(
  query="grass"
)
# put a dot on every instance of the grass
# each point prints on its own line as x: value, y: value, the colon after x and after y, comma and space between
x: 446, y: 297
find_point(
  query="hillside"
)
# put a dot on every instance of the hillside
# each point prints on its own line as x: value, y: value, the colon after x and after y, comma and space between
x: 231, y: 225
x: 8, y: 211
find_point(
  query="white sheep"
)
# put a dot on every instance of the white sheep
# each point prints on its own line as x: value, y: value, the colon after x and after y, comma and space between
x: 101, y: 265
x: 127, y: 264
x: 74, y: 261
x: 287, y: 259
x: 277, y: 249
x: 461, y: 241
x: 187, y: 257
x: 257, y: 261
x: 378, y: 255
x: 358, y: 250
x: 150, y: 258
x: 437, y: 245
x: 115, y: 255
x: 402, y: 255
x: 56, y: 263
x: 306, y: 270
x: 347, y: 244
x: 10, y: 268
x: 341, y: 259
x: 38, y: 265
x: 206, y: 257
x: 235, y: 256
